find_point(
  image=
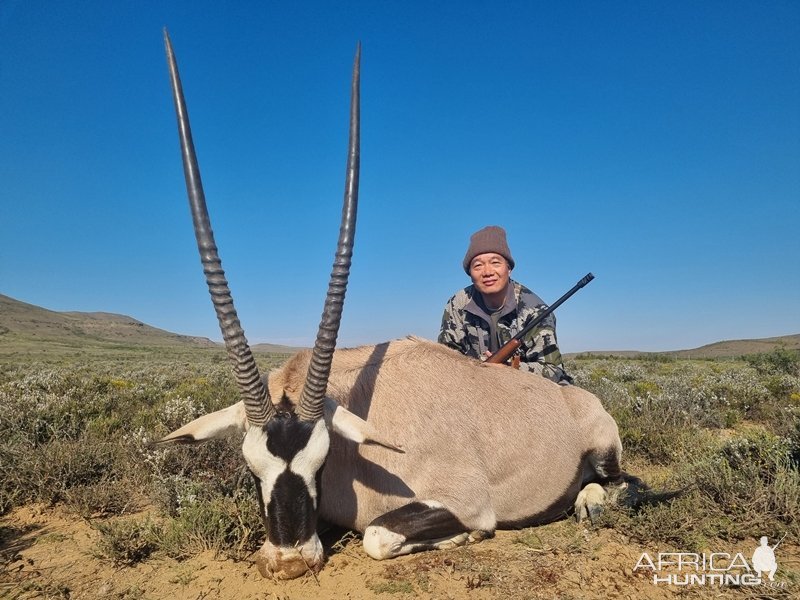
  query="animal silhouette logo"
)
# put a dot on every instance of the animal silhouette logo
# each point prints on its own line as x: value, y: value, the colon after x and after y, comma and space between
x: 764, y: 557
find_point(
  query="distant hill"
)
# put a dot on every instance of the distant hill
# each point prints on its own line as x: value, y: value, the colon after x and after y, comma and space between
x: 724, y: 349
x: 740, y: 347
x: 26, y: 328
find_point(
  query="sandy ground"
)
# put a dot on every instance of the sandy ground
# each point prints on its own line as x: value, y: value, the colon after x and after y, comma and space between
x: 47, y: 553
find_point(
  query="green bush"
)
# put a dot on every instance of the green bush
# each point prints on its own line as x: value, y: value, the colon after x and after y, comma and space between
x: 744, y: 488
x: 70, y: 434
x: 752, y: 481
x: 228, y: 525
x: 128, y: 541
x: 780, y: 360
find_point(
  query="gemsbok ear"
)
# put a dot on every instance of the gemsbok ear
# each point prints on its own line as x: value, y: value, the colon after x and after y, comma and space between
x: 213, y: 425
x: 354, y: 428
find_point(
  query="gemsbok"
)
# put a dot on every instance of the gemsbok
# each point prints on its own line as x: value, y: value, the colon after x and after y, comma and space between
x: 408, y: 442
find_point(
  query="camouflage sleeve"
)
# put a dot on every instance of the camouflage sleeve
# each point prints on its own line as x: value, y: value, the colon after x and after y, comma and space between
x: 541, y: 355
x: 451, y: 332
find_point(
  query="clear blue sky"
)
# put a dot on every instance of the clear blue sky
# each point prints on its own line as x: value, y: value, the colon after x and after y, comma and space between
x: 656, y: 144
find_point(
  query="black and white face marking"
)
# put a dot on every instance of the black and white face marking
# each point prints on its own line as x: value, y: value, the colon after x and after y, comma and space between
x: 285, y: 460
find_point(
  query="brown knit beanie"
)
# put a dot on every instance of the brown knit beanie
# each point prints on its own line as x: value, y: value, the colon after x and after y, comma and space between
x: 488, y: 239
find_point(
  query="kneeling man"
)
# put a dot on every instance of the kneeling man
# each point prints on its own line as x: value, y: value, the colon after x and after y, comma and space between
x: 482, y: 317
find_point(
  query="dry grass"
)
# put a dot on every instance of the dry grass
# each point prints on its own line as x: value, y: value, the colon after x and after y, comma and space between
x: 79, y: 435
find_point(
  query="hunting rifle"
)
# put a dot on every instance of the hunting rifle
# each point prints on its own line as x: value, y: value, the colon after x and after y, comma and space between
x: 511, y: 346
x: 779, y: 543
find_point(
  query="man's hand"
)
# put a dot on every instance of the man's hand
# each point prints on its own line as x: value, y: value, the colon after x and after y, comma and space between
x: 486, y: 355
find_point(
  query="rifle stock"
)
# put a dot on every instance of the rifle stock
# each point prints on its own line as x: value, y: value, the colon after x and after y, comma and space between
x: 512, y: 345
x: 504, y: 353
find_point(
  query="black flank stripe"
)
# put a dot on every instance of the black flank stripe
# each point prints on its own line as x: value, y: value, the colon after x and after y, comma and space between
x: 419, y: 522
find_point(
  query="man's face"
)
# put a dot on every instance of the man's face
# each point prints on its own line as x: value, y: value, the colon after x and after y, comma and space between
x: 489, y: 273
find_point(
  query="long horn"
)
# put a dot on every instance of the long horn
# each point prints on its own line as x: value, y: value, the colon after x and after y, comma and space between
x: 253, y: 391
x: 311, y: 403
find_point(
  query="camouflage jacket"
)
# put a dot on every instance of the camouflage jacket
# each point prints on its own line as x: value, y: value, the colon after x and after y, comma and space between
x: 466, y: 327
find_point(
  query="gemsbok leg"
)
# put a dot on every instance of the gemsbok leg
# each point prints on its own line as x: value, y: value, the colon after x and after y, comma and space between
x: 417, y: 526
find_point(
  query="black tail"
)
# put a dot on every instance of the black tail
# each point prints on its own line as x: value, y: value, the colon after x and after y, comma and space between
x: 635, y: 493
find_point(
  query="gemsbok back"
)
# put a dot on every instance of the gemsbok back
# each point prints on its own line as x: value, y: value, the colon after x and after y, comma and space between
x: 408, y: 442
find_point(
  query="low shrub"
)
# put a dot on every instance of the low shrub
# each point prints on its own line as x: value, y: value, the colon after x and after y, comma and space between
x: 778, y: 361
x: 752, y: 481
x: 128, y: 541
x: 745, y: 487
x: 230, y: 526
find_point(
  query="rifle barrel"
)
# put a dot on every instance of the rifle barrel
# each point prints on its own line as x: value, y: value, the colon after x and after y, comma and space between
x: 511, y: 345
x: 586, y: 279
x: 779, y: 542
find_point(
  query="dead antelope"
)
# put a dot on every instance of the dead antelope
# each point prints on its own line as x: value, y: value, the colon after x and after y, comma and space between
x: 409, y: 442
